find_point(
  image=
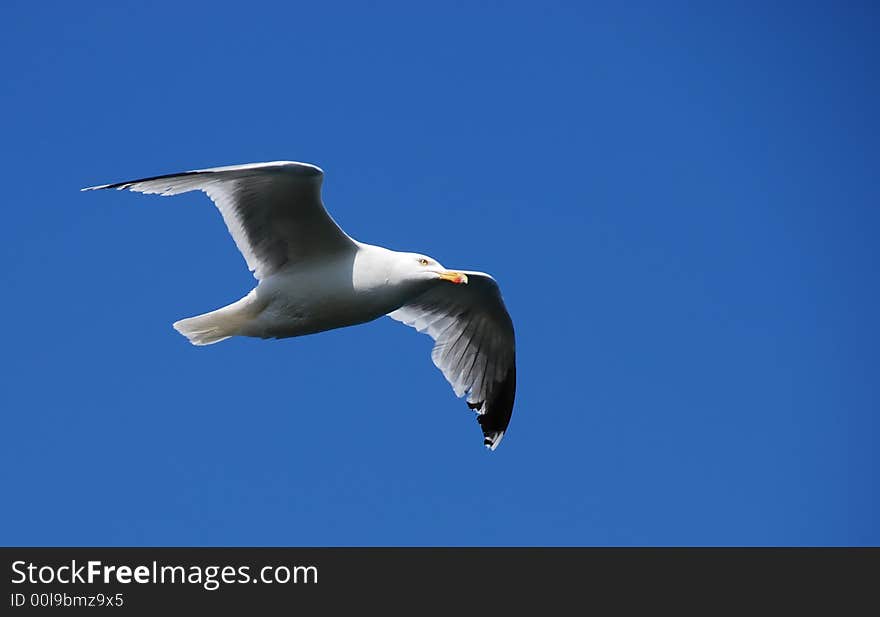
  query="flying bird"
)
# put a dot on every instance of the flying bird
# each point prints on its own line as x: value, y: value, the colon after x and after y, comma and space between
x: 312, y: 276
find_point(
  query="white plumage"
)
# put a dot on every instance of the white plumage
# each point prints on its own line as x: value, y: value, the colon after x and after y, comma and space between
x: 313, y: 277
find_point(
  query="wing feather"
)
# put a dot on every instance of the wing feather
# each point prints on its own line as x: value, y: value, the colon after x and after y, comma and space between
x: 474, y: 346
x: 273, y: 210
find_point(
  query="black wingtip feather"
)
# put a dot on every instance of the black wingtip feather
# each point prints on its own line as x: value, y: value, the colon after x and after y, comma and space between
x: 499, y: 409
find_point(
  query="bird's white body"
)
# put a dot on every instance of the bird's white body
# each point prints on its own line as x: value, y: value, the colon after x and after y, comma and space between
x: 313, y: 277
x: 349, y: 289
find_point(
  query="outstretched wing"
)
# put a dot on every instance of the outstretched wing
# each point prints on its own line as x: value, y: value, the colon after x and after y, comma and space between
x: 273, y: 210
x: 474, y: 346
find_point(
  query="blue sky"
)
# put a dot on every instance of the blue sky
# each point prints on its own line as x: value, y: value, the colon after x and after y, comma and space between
x: 680, y: 203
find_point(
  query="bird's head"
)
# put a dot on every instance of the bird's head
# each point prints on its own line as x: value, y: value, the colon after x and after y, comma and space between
x: 417, y: 267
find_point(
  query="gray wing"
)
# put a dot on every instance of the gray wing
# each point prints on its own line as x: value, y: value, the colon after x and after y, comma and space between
x: 474, y: 346
x: 273, y: 210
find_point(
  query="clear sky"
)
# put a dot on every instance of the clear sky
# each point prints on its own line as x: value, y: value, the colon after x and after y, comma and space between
x: 679, y: 200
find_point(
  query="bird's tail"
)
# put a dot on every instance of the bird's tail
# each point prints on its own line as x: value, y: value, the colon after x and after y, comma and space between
x: 218, y: 325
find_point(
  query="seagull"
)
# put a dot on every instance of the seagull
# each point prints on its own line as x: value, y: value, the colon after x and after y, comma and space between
x: 312, y: 276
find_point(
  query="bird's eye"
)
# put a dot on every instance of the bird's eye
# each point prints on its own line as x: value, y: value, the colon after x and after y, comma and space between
x: 423, y: 261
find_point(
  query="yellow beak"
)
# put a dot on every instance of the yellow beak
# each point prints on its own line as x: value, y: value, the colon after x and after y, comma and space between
x: 459, y: 278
